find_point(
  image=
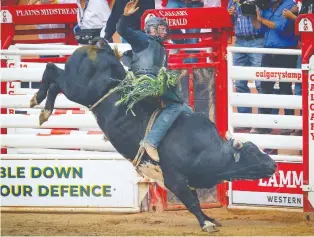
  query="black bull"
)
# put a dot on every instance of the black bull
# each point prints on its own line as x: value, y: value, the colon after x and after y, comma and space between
x: 193, y: 154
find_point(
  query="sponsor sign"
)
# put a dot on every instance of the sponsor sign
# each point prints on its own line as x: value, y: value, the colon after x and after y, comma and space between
x: 12, y: 87
x: 305, y: 25
x: 282, y: 189
x: 46, y: 12
x: 279, y: 75
x: 311, y: 113
x: 5, y: 17
x: 80, y: 183
x: 190, y: 18
x: 43, y: 14
x: 310, y: 142
x: 266, y: 74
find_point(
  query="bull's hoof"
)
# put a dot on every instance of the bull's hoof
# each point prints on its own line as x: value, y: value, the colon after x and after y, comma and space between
x: 33, y: 102
x: 209, y: 227
x: 44, y: 115
x: 217, y: 223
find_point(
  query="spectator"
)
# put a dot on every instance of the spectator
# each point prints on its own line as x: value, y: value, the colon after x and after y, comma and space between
x: 5, y: 3
x: 246, y: 36
x: 307, y: 7
x: 276, y: 86
x: 134, y: 21
x: 279, y: 33
x: 92, y: 17
x: 212, y: 3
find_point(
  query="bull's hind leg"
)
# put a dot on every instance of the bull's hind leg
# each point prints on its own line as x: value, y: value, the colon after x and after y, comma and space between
x: 50, y: 73
x: 53, y: 91
x: 177, y: 183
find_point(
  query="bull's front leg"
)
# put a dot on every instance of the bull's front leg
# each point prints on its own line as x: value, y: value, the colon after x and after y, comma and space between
x: 41, y: 94
x: 212, y: 220
x: 178, y: 184
x: 50, y: 73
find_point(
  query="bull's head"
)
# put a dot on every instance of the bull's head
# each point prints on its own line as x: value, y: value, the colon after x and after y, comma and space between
x: 249, y: 162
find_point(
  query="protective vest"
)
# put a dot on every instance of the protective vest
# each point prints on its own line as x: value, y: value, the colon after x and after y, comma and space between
x: 150, y: 60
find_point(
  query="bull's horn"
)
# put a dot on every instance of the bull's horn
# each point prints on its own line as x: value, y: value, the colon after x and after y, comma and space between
x: 228, y: 135
x: 237, y: 144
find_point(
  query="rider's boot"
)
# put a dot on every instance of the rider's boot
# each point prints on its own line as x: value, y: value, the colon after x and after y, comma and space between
x: 151, y: 151
x: 161, y: 126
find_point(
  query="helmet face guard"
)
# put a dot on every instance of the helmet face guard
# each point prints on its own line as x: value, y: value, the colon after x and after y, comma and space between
x: 157, y: 26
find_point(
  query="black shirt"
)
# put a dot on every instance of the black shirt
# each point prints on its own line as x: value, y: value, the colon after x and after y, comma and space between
x: 134, y: 21
x: 307, y: 7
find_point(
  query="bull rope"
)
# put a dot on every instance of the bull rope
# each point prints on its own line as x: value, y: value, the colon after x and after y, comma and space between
x: 141, y: 151
x: 102, y: 99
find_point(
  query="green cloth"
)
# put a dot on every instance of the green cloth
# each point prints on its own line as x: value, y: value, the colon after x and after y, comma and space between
x: 134, y: 89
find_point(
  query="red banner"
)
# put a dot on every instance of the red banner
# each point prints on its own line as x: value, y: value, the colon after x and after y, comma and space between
x: 43, y: 14
x: 287, y: 179
x: 189, y: 18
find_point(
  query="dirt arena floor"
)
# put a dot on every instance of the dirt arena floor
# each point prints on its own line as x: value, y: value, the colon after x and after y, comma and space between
x: 235, y: 223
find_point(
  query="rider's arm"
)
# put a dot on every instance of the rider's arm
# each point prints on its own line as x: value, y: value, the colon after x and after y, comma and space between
x: 137, y: 39
x: 116, y: 12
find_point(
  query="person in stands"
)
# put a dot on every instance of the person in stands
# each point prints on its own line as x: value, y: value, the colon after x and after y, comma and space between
x: 5, y: 3
x: 246, y: 35
x: 278, y: 33
x: 134, y: 20
x: 92, y: 17
x: 306, y: 7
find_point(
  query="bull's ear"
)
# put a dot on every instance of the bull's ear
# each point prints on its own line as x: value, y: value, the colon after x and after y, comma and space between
x: 237, y: 144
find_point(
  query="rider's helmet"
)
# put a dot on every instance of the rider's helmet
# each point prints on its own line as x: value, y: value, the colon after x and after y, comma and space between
x: 157, y: 27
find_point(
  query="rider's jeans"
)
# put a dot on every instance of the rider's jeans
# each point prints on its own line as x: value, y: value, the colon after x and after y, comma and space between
x: 164, y: 122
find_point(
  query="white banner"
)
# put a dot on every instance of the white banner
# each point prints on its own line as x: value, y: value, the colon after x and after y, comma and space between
x: 68, y: 183
x: 269, y: 199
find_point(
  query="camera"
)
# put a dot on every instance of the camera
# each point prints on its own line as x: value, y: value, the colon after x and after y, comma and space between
x: 248, y: 7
